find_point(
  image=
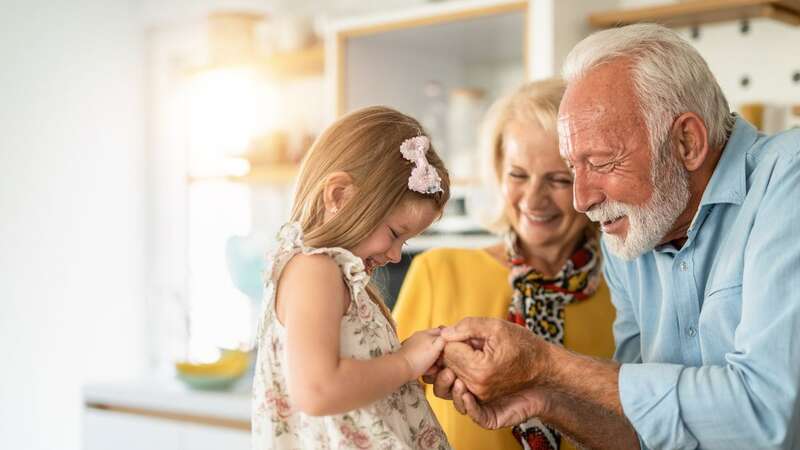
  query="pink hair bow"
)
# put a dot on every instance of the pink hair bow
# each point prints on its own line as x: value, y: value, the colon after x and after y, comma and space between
x: 424, y: 178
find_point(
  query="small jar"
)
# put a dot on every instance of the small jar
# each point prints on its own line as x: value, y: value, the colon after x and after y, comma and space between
x: 465, y: 112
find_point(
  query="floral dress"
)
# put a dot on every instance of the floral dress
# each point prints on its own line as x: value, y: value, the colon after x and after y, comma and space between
x: 403, y: 420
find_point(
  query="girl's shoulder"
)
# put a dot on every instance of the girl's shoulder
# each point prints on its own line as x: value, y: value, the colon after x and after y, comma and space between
x: 305, y: 263
x: 320, y: 267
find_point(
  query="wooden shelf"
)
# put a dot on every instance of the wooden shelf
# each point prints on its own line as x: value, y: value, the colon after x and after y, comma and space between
x: 698, y: 12
x: 302, y: 63
x: 279, y: 174
x: 273, y: 174
x: 308, y: 62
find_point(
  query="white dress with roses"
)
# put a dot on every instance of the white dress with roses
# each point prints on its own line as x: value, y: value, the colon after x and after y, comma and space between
x: 403, y: 420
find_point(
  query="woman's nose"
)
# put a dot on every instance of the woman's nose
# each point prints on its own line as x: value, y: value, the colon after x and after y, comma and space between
x: 536, y: 195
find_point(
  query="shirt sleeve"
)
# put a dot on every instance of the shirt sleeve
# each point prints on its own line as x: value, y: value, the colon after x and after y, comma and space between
x: 626, y: 326
x: 414, y: 308
x: 751, y: 399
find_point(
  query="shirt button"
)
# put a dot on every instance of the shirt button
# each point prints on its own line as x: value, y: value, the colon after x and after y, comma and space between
x: 691, y: 331
x: 684, y: 266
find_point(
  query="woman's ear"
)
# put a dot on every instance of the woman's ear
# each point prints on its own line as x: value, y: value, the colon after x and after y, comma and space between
x: 337, y: 190
x: 691, y: 137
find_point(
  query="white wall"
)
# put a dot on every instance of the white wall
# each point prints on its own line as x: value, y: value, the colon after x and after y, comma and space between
x: 767, y: 55
x: 72, y: 196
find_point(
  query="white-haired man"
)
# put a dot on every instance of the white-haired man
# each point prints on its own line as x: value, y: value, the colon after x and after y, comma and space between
x: 700, y: 231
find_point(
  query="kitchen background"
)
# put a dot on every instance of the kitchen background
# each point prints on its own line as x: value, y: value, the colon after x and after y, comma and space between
x: 148, y: 149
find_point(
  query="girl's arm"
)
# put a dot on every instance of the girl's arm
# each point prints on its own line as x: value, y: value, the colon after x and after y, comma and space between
x: 311, y: 300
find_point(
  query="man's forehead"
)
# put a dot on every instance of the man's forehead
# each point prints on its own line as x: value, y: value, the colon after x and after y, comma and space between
x: 575, y: 120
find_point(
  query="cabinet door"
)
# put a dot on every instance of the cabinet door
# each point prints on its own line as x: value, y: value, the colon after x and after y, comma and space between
x: 105, y: 430
x: 198, y: 437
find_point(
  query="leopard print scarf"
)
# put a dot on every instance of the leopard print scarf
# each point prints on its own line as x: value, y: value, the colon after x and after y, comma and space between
x: 538, y: 304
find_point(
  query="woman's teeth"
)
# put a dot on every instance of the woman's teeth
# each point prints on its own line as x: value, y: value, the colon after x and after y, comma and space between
x: 540, y: 219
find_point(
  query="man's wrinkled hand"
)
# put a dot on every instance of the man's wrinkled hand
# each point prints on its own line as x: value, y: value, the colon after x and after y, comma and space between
x: 505, y: 411
x: 493, y: 357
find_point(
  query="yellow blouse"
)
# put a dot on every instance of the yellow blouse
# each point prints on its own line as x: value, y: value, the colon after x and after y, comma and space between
x: 445, y: 285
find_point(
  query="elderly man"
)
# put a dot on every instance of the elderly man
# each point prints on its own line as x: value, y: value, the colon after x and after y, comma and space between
x: 700, y: 231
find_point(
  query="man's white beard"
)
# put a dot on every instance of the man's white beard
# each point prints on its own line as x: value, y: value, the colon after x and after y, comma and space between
x: 648, y: 224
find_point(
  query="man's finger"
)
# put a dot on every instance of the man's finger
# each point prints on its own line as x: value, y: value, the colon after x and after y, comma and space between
x: 476, y: 343
x: 430, y: 375
x: 470, y: 327
x: 477, y: 413
x: 432, y: 371
x: 459, y: 357
x: 458, y: 396
x: 443, y: 384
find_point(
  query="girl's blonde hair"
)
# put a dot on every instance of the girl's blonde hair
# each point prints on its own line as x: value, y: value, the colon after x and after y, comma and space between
x: 365, y: 144
x: 532, y: 103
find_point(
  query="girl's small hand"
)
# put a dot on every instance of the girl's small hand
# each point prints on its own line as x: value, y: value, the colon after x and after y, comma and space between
x: 421, y: 351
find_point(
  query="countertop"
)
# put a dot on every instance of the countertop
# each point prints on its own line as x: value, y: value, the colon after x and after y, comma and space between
x: 166, y: 395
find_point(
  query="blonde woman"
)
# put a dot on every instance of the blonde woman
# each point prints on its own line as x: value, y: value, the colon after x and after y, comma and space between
x: 545, y: 274
x: 331, y: 372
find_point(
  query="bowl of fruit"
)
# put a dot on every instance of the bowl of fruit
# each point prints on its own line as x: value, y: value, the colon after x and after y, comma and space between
x: 216, y: 375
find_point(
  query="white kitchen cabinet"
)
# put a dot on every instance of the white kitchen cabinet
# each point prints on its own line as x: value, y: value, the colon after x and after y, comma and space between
x: 163, y: 415
x: 197, y: 437
x: 388, y: 58
x: 492, y: 44
x: 106, y: 430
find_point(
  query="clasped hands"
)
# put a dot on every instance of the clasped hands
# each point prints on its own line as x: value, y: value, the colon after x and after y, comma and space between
x: 493, y: 370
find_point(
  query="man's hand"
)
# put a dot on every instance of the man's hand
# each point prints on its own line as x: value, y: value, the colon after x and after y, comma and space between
x: 494, y: 357
x: 441, y: 378
x: 505, y: 411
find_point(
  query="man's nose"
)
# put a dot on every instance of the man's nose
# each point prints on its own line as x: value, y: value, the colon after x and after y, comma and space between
x: 584, y: 194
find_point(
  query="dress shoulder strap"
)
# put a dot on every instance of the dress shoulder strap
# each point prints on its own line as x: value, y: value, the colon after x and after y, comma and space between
x: 290, y: 243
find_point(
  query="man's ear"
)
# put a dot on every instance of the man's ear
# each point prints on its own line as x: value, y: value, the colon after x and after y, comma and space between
x: 337, y: 191
x: 690, y: 137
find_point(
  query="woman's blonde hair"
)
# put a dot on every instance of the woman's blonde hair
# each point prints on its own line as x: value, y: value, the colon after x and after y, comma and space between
x: 532, y: 103
x: 365, y: 144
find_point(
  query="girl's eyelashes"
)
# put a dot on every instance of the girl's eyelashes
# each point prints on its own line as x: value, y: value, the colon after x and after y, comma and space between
x: 394, y: 233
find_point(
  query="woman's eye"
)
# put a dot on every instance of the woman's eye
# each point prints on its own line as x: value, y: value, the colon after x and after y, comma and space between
x: 517, y: 175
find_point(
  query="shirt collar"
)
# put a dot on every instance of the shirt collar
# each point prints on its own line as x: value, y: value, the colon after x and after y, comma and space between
x: 728, y: 183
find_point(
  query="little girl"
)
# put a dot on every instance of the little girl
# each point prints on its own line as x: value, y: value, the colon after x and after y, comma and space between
x: 331, y: 373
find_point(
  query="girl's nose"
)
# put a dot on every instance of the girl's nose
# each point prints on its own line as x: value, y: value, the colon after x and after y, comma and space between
x: 395, y: 253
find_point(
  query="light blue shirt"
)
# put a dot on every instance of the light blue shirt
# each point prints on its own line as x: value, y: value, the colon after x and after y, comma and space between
x: 709, y: 336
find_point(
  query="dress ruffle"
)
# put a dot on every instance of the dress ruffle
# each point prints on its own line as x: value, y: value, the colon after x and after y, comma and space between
x: 290, y: 242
